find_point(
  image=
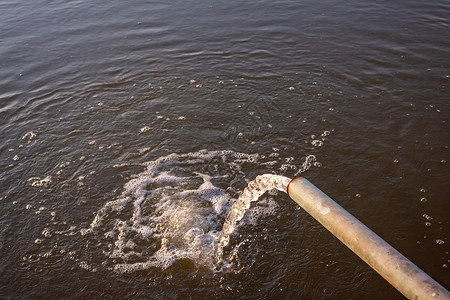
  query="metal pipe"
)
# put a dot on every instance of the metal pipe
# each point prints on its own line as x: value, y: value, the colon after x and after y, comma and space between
x: 406, y: 277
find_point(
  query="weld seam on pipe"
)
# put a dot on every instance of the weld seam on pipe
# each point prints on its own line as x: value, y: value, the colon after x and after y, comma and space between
x: 405, y: 276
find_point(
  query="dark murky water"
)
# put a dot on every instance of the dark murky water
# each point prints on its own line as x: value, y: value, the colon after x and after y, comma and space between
x: 96, y: 96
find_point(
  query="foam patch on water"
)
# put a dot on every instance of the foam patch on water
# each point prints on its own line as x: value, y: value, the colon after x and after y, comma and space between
x: 168, y: 212
x: 175, y: 209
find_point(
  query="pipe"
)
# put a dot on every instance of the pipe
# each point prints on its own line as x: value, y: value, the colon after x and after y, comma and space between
x: 406, y: 277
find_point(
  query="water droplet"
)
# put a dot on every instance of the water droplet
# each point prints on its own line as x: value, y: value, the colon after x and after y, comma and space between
x: 440, y: 242
x: 423, y: 200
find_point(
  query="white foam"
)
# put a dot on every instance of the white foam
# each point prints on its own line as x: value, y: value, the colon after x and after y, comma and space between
x: 175, y: 209
x: 44, y: 182
x: 29, y: 136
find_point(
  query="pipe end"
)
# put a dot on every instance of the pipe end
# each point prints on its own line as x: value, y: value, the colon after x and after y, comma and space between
x: 295, y: 179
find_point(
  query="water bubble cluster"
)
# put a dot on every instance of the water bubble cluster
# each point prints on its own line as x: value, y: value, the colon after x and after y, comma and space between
x: 175, y: 209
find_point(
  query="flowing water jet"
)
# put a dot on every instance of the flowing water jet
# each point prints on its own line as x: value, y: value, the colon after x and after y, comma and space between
x: 254, y: 190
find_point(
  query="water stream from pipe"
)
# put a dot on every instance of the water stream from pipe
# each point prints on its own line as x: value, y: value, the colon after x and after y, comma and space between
x: 252, y: 192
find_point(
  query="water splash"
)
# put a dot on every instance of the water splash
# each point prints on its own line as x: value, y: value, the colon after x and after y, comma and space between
x: 252, y: 192
x: 173, y: 210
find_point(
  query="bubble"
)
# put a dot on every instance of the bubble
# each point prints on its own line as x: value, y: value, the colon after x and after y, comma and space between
x: 145, y: 129
x: 428, y: 217
x: 29, y: 136
x: 317, y: 143
x: 46, y: 233
x: 42, y: 183
x: 440, y: 242
x: 423, y: 200
x: 16, y: 157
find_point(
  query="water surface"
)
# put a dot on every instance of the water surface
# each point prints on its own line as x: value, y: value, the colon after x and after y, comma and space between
x: 177, y: 106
